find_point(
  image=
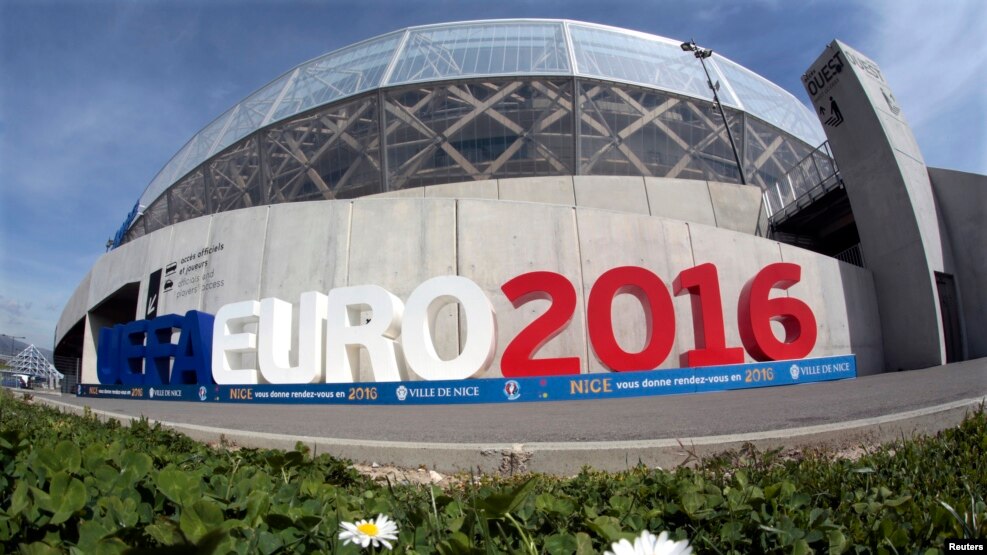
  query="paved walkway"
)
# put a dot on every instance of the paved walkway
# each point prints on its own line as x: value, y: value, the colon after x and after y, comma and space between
x: 563, y: 436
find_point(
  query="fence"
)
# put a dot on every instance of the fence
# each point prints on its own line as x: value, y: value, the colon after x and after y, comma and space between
x: 853, y: 255
x: 811, y: 176
x: 71, y: 368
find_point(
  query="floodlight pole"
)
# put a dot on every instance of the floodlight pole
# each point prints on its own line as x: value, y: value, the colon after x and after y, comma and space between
x: 701, y: 54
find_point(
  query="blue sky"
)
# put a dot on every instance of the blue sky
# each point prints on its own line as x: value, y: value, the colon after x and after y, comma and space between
x: 95, y: 97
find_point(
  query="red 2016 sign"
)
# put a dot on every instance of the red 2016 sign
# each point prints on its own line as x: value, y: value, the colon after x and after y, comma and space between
x: 755, y: 312
x: 252, y: 340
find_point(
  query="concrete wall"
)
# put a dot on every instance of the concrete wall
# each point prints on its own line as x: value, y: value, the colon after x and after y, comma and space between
x: 960, y: 199
x: 727, y: 205
x: 680, y: 199
x: 730, y: 206
x: 75, y: 309
x: 891, y: 197
x: 284, y: 250
x: 735, y: 207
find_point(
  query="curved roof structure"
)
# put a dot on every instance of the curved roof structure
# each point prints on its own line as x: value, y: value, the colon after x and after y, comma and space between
x: 489, y: 48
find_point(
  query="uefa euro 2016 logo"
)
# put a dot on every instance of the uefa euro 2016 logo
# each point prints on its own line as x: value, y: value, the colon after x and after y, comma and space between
x: 794, y: 371
x: 202, y: 393
x: 401, y: 392
x: 512, y: 390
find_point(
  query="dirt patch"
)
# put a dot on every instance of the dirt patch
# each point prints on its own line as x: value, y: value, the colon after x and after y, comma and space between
x: 407, y: 476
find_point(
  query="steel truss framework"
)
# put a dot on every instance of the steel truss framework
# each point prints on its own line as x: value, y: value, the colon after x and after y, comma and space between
x: 465, y: 130
x: 30, y: 361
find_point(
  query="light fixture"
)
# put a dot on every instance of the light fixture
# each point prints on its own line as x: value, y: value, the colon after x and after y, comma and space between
x: 701, y: 54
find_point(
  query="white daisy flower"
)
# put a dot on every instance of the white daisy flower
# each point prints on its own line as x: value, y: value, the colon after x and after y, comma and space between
x: 373, y: 531
x: 648, y: 544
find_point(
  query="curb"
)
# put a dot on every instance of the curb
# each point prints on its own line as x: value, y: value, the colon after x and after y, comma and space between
x: 570, y: 457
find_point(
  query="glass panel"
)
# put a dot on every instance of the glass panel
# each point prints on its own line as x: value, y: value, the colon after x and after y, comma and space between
x: 337, y: 75
x: 637, y: 58
x: 252, y: 113
x: 630, y: 131
x: 771, y: 154
x: 202, y: 144
x: 156, y: 215
x: 332, y: 154
x: 136, y: 230
x: 165, y: 177
x: 488, y: 48
x: 488, y: 130
x: 770, y: 102
x: 188, y: 198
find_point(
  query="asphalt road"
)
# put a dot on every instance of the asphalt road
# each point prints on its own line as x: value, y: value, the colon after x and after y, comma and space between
x: 642, y: 418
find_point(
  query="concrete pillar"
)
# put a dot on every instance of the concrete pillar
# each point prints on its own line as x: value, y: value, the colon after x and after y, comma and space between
x: 891, y: 197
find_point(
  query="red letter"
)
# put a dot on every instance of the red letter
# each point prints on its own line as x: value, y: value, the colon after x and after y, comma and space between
x: 756, y: 311
x: 703, y: 285
x: 653, y: 295
x: 517, y: 361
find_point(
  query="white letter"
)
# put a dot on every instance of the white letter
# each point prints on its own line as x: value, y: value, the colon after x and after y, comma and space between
x: 228, y: 338
x: 419, y: 322
x: 345, y: 334
x: 275, y: 339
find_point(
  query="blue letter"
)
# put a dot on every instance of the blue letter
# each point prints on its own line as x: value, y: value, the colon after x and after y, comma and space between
x: 193, y: 361
x: 108, y: 356
x: 160, y: 350
x: 132, y: 353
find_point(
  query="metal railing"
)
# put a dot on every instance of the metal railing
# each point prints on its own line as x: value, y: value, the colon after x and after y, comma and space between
x: 853, y: 255
x: 810, y: 178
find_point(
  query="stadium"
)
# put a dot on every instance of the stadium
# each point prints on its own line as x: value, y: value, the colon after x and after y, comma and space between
x: 597, y: 161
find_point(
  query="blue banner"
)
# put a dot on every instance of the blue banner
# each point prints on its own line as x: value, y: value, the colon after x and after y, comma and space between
x: 504, y: 390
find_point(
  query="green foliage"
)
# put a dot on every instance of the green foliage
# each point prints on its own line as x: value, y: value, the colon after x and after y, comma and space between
x: 77, y: 485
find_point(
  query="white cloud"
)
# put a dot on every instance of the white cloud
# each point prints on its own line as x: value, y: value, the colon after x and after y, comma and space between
x: 12, y: 309
x: 935, y: 58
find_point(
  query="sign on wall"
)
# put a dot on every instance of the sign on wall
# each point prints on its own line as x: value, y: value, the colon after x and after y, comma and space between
x: 502, y: 390
x: 250, y: 342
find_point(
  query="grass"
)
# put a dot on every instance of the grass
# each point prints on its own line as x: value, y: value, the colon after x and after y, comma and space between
x: 79, y: 485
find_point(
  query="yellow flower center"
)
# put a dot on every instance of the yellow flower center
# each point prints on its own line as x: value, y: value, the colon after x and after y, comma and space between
x: 368, y: 528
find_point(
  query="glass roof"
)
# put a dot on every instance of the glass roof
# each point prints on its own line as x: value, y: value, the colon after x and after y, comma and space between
x: 490, y: 48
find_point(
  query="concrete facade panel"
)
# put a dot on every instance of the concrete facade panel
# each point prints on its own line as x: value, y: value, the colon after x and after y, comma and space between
x: 960, y: 198
x: 398, y: 244
x: 306, y: 249
x: 75, y: 308
x: 680, y: 199
x: 188, y: 239
x: 157, y: 248
x: 90, y: 333
x: 466, y: 189
x: 736, y: 207
x: 498, y: 241
x: 843, y: 302
x: 905, y: 347
x: 414, y: 192
x: 113, y: 270
x: 547, y: 190
x: 891, y: 198
x: 232, y: 271
x: 626, y: 194
x: 924, y: 207
x: 863, y: 318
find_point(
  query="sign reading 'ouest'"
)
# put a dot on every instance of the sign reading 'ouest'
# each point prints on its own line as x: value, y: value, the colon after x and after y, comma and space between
x: 249, y: 342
